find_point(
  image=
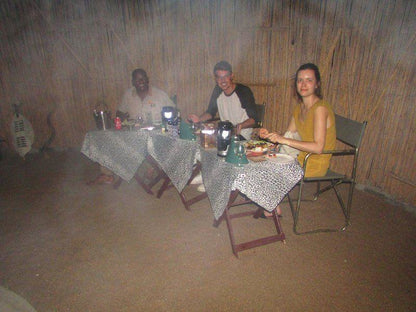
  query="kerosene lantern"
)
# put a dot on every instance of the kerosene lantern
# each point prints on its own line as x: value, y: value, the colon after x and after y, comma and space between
x: 169, y: 115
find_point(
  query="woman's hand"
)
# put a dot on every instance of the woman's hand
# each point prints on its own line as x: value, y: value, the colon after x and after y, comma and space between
x: 270, y: 136
x: 275, y: 138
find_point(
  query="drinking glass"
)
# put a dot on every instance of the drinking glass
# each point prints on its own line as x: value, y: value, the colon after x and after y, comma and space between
x: 240, y: 151
x: 140, y: 120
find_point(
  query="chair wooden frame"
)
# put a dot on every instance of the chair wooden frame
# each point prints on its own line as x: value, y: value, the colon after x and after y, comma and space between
x: 349, y: 132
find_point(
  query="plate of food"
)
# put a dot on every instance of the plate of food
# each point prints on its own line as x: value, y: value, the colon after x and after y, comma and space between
x: 258, y: 147
x: 281, y: 158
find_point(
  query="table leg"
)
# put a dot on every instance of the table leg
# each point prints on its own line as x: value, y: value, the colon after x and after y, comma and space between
x: 188, y: 202
x: 280, y: 236
x: 165, y: 185
x: 147, y: 186
x: 117, y: 184
x: 160, y: 174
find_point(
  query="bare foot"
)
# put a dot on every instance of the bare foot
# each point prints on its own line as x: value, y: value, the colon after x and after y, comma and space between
x: 269, y: 214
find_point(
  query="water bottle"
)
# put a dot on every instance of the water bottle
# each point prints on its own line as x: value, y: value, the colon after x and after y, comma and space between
x: 149, y: 118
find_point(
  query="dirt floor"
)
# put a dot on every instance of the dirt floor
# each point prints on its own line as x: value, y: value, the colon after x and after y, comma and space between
x: 65, y: 246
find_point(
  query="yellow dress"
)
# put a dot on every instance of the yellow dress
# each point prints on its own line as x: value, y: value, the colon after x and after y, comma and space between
x: 317, y: 164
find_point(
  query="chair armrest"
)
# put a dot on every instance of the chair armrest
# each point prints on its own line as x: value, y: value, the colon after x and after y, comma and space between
x: 339, y: 152
x: 333, y: 152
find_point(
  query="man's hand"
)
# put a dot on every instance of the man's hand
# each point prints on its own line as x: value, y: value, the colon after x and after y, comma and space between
x: 238, y: 129
x: 204, y: 117
x: 194, y: 118
x: 122, y: 116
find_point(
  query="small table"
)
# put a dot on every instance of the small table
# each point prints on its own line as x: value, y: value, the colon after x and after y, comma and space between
x: 265, y: 183
x: 179, y: 161
x: 122, y: 152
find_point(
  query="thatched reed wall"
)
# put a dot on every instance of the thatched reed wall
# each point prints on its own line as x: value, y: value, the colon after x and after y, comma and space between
x: 66, y: 56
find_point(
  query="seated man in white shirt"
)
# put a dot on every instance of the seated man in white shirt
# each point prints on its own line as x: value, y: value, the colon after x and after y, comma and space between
x: 233, y: 102
x: 140, y: 102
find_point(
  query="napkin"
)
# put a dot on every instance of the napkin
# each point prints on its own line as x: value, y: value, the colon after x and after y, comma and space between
x: 284, y: 149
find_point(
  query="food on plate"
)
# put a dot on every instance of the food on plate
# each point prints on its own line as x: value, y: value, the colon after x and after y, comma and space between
x: 128, y: 122
x: 258, y: 146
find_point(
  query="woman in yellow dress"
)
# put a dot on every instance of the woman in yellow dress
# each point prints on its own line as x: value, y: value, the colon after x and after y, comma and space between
x: 313, y: 119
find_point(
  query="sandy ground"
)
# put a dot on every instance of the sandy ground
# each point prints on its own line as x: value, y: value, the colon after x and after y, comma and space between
x: 65, y: 246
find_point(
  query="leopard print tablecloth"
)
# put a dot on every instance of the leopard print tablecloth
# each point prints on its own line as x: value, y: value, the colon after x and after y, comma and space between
x: 120, y: 151
x: 175, y: 156
x: 266, y: 182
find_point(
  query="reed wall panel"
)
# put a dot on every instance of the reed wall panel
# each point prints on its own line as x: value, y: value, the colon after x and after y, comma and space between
x: 66, y: 57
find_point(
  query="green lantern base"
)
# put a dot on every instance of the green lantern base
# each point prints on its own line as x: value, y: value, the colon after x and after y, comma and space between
x: 186, y: 132
x: 232, y: 158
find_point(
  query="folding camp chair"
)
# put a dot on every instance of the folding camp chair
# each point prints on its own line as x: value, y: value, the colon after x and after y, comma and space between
x: 349, y: 132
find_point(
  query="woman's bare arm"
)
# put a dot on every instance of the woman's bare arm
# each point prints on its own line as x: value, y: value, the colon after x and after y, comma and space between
x: 319, y: 134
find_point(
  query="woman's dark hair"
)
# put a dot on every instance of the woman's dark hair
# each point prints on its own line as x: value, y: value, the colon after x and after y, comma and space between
x: 318, y: 91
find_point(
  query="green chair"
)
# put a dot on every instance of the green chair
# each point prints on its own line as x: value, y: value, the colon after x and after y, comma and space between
x: 260, y: 110
x: 174, y: 99
x: 351, y: 133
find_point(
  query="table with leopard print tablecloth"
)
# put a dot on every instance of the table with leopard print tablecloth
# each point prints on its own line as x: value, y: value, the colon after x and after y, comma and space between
x: 175, y: 156
x: 123, y: 151
x: 266, y: 183
x: 120, y: 151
